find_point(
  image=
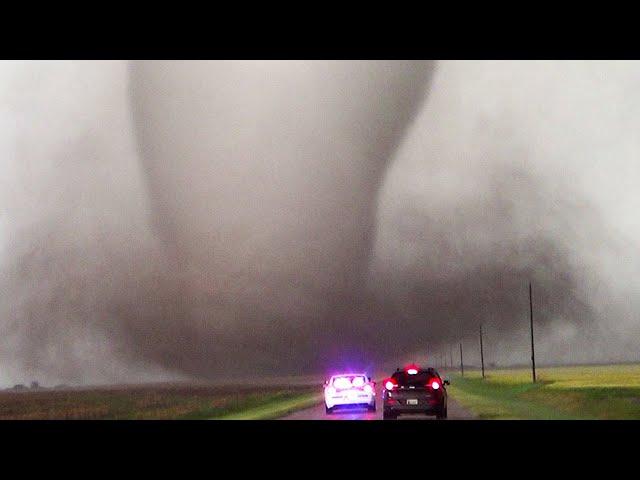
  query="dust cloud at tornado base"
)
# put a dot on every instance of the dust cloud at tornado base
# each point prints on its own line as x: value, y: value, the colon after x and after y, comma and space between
x: 180, y: 220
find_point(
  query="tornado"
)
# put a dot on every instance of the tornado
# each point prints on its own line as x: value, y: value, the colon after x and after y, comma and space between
x: 263, y: 179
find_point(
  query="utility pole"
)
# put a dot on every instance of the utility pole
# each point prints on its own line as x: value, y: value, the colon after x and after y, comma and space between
x: 451, y: 355
x: 461, y: 362
x: 481, y: 352
x: 533, y: 351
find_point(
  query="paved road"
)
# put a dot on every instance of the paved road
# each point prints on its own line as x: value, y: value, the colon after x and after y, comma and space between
x: 455, y: 412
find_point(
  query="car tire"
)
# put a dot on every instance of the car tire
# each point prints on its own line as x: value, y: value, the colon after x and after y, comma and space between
x: 328, y: 410
x: 386, y: 415
x: 372, y: 408
x: 441, y: 414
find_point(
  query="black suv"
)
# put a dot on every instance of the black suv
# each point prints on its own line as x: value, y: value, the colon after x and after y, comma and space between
x: 414, y: 390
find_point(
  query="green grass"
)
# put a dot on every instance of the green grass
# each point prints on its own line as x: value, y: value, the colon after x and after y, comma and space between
x: 158, y: 402
x: 584, y: 392
x: 276, y: 408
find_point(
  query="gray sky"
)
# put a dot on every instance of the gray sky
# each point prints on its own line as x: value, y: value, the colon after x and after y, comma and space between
x: 182, y: 219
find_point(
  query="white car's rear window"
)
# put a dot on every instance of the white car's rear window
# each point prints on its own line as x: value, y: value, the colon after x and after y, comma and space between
x: 348, y: 381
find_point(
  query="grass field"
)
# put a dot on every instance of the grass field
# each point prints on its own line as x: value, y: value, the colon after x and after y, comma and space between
x: 584, y: 392
x: 276, y: 409
x: 157, y: 402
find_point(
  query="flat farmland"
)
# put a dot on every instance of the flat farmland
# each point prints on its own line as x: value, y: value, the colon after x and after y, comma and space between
x: 156, y: 402
x: 577, y: 392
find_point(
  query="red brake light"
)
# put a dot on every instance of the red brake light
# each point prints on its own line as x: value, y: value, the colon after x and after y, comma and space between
x: 434, y: 383
x: 390, y: 384
x: 411, y: 369
x: 368, y: 388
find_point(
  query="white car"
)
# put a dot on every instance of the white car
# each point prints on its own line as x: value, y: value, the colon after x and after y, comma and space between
x: 349, y: 390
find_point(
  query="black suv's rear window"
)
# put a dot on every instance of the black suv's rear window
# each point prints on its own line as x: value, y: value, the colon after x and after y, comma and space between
x: 420, y: 379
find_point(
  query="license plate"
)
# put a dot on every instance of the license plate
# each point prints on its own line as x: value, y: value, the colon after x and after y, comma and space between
x: 412, y: 401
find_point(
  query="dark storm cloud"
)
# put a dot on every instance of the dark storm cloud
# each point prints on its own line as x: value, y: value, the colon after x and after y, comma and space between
x: 199, y: 219
x: 513, y: 173
x: 474, y: 264
x: 73, y: 223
